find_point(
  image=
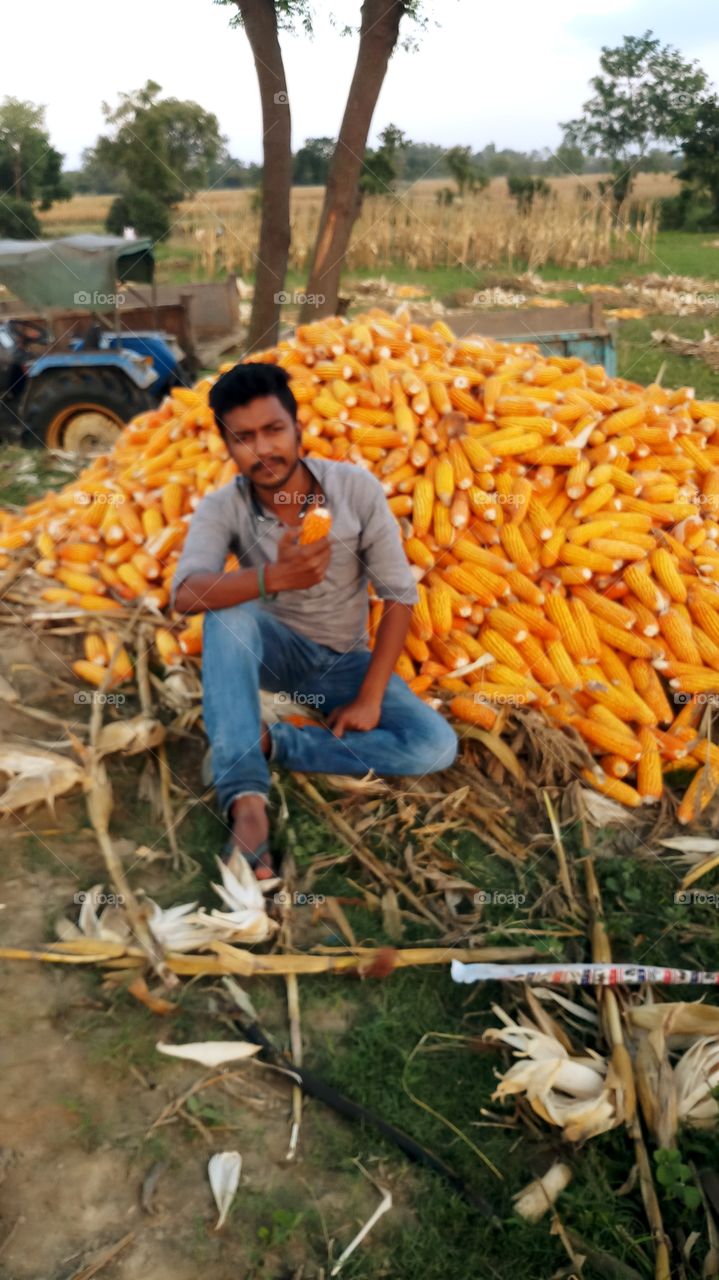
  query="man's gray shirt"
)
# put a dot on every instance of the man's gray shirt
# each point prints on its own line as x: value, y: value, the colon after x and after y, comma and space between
x: 365, y: 540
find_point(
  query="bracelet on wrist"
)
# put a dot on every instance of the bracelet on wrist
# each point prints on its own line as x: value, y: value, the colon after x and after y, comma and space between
x: 262, y: 586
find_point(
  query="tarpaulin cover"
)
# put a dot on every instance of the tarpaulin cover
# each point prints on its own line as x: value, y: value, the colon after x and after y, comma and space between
x: 74, y: 271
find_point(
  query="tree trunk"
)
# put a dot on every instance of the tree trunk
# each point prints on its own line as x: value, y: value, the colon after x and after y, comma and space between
x: 379, y: 30
x: 259, y: 18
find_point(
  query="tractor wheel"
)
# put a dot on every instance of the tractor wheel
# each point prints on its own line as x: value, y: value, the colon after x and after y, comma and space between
x: 83, y: 415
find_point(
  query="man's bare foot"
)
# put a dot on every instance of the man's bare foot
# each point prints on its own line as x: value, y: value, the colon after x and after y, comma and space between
x: 250, y: 829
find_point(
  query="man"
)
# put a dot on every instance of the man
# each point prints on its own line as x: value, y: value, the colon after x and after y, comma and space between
x: 294, y: 618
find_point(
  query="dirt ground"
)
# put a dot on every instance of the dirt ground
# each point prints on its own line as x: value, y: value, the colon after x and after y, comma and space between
x: 84, y: 1166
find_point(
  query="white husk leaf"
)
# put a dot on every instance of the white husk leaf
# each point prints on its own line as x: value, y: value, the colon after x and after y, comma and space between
x: 36, y: 776
x: 139, y: 733
x: 211, y: 1053
x: 181, y: 928
x: 696, y: 1075
x: 701, y: 845
x: 571, y: 1006
x: 533, y: 1201
x: 108, y: 925
x: 66, y: 931
x: 572, y: 1093
x: 224, y: 1173
x: 600, y: 810
x: 247, y: 920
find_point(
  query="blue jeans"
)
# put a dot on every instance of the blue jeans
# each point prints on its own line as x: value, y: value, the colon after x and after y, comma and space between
x: 246, y: 649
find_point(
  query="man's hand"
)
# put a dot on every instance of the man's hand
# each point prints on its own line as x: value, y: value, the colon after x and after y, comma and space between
x: 363, y: 714
x: 297, y: 567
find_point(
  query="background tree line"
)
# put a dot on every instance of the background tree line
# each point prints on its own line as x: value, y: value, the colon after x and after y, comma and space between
x: 650, y: 109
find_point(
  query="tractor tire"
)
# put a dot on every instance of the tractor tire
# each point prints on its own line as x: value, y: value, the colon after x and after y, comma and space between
x: 82, y: 411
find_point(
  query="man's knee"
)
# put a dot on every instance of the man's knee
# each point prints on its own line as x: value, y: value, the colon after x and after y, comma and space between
x: 239, y: 622
x: 434, y: 749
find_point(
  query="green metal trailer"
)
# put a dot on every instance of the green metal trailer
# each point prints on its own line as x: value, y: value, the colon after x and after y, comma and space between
x: 577, y: 330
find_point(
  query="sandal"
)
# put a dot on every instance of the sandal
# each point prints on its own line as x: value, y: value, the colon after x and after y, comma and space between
x: 261, y: 859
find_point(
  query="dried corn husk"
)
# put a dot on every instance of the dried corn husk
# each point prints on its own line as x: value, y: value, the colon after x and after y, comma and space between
x: 656, y: 1087
x: 680, y: 1021
x: 139, y: 733
x: 575, y: 1093
x: 180, y: 928
x: 697, y: 1075
x: 110, y: 925
x: 224, y: 1173
x: 247, y: 920
x: 535, y: 1199
x: 211, y: 1053
x: 36, y: 776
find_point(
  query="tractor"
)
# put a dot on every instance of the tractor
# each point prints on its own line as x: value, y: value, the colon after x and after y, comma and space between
x: 77, y: 395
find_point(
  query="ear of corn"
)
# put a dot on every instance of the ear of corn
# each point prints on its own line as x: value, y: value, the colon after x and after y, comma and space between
x: 473, y: 710
x: 315, y: 525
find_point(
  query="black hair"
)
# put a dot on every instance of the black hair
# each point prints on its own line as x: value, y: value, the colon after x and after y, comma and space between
x: 246, y: 382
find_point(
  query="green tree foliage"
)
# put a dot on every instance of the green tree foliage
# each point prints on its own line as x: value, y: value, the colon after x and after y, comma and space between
x: 383, y: 166
x: 378, y: 173
x: 30, y: 167
x: 228, y: 172
x: 465, y: 172
x: 700, y: 169
x: 311, y: 163
x: 164, y: 146
x: 395, y: 144
x: 93, y: 176
x: 644, y: 95
x: 424, y: 159
x: 567, y: 159
x: 18, y: 220
x: 140, y: 210
x: 524, y: 191
x: 291, y: 15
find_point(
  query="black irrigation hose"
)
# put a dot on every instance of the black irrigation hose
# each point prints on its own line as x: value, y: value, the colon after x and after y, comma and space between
x: 315, y: 1087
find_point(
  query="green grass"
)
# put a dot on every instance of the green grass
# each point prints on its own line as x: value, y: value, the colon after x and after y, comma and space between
x: 640, y: 360
x: 25, y: 474
x: 90, y: 1131
x: 386, y: 1019
x: 685, y: 253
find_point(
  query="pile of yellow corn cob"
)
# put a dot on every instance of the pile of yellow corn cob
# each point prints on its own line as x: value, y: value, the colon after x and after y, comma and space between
x: 563, y: 526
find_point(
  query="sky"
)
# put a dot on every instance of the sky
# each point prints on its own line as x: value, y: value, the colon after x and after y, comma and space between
x: 506, y: 73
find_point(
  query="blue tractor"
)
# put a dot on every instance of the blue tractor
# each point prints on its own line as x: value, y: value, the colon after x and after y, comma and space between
x: 78, y: 399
